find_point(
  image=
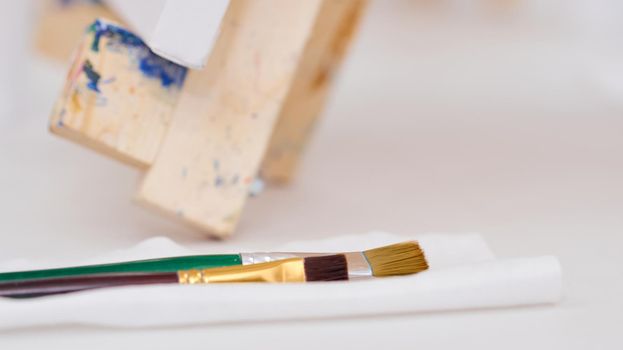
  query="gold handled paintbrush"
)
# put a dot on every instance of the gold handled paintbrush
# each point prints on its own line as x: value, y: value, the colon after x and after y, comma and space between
x: 310, y: 269
x: 396, y: 259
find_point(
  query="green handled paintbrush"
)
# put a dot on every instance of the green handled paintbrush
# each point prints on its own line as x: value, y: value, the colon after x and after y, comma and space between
x: 151, y: 265
x: 395, y: 259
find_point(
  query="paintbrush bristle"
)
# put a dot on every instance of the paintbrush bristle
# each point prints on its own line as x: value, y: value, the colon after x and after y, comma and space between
x: 326, y: 268
x: 396, y: 259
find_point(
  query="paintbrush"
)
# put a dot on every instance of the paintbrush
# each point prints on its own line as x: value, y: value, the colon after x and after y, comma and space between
x: 310, y: 269
x: 396, y: 259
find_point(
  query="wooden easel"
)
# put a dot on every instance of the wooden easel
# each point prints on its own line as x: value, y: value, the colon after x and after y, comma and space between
x: 250, y: 111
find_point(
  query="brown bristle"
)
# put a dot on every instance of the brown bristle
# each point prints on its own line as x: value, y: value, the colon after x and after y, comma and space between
x: 396, y: 259
x: 326, y: 268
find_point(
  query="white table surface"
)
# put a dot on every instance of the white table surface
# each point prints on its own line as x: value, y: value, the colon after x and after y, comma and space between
x: 437, y: 124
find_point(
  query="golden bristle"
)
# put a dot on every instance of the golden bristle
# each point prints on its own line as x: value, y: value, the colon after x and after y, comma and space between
x: 396, y: 259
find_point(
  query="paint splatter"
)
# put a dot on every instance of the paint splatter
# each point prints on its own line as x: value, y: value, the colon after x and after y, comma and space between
x: 93, y: 76
x: 256, y: 187
x: 158, y: 68
x: 218, y: 181
x: 232, y: 217
x: 75, y: 102
x: 150, y: 64
x: 122, y: 36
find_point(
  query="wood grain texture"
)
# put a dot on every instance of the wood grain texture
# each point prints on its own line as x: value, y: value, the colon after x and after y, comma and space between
x: 61, y: 25
x: 306, y: 99
x: 116, y: 99
x: 118, y: 136
x: 202, y: 143
x: 226, y: 113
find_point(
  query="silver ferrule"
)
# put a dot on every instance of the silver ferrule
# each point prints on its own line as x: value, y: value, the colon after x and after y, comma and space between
x: 358, y: 266
x: 261, y: 257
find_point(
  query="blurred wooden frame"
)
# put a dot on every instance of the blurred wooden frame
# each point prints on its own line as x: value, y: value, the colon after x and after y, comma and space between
x: 250, y: 110
x: 61, y: 25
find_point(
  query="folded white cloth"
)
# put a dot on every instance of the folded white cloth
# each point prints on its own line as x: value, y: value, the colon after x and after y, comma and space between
x: 463, y: 274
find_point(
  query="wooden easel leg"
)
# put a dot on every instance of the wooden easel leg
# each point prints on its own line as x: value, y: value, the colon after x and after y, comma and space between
x: 225, y: 115
x: 201, y: 141
x: 310, y: 89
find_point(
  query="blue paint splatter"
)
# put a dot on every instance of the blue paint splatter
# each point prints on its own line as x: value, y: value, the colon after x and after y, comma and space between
x: 256, y: 187
x: 92, y: 75
x: 61, y: 115
x: 150, y: 64
x: 122, y: 36
x: 216, y: 164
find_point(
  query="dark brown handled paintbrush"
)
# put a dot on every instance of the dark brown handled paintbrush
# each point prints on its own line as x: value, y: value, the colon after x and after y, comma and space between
x: 396, y: 259
x: 311, y: 269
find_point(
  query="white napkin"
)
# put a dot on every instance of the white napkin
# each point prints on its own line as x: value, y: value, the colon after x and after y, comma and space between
x: 463, y: 274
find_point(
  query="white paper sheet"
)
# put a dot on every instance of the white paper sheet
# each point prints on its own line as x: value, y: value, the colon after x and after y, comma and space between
x: 464, y: 275
x: 140, y: 15
x: 182, y: 31
x: 187, y: 30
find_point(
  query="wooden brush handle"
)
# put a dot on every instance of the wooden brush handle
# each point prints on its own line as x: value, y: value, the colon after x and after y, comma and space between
x: 50, y: 286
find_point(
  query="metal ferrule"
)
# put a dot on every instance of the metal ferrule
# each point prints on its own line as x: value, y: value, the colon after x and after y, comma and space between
x: 288, y: 270
x: 358, y: 266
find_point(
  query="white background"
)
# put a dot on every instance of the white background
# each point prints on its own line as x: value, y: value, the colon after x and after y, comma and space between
x: 453, y: 118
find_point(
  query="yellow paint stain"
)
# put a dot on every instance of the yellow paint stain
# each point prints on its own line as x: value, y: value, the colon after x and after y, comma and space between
x: 233, y: 217
x: 76, y: 107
